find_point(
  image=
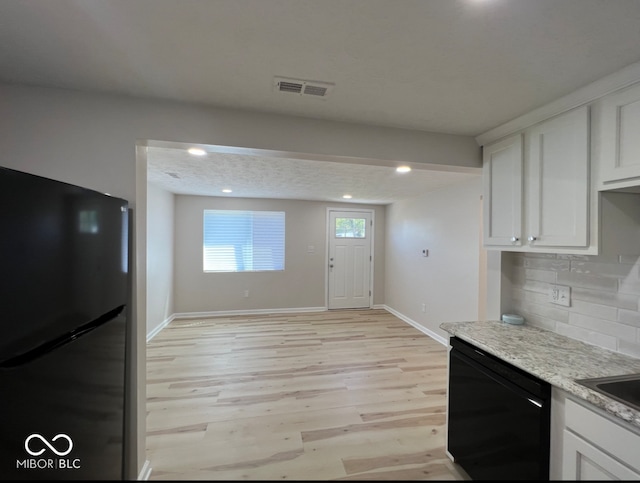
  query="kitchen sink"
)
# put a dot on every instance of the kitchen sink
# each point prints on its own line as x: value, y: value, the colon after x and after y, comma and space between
x: 625, y: 388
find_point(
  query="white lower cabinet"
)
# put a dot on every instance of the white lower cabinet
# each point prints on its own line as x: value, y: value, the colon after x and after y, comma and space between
x: 584, y: 461
x: 596, y: 447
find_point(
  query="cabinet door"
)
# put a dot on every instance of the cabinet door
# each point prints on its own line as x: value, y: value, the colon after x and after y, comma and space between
x: 583, y: 461
x: 620, y: 135
x: 558, y: 181
x: 502, y: 198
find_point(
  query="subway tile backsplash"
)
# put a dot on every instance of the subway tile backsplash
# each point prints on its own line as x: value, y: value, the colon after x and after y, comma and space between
x: 605, y: 296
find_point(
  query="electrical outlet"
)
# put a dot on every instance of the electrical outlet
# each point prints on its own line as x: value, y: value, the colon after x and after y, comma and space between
x: 246, y: 293
x: 424, y: 307
x: 560, y: 295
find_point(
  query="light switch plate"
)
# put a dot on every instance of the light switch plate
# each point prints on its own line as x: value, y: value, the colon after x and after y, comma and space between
x: 560, y: 295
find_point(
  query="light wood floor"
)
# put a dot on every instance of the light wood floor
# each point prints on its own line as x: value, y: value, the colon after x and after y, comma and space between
x: 337, y: 395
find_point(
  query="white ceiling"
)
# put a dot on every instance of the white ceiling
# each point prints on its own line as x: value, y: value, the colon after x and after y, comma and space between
x: 251, y: 176
x: 450, y: 66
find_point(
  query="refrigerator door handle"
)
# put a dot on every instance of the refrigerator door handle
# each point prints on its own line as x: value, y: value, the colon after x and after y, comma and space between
x: 46, y: 347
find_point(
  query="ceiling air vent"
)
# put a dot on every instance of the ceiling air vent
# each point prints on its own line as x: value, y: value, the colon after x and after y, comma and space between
x: 303, y: 87
x: 295, y: 87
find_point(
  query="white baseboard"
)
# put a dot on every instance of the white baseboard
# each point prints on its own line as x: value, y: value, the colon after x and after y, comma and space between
x: 157, y: 330
x: 219, y: 313
x: 421, y: 328
x: 145, y: 472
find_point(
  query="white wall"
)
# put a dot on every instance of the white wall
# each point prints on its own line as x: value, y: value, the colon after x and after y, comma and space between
x: 301, y: 285
x: 90, y: 140
x: 160, y: 256
x: 447, y: 223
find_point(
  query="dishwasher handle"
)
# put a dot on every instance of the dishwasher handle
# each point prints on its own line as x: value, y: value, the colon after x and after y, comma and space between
x: 523, y: 393
x: 511, y: 373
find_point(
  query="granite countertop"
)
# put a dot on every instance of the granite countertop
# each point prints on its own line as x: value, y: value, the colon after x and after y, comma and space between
x: 552, y: 357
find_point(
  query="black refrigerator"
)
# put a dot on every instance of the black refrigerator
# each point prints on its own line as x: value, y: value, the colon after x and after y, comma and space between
x: 64, y: 296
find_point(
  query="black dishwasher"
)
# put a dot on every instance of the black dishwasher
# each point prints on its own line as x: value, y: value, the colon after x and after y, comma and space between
x: 498, y: 417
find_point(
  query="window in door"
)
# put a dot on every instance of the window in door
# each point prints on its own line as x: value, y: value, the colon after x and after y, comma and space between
x: 350, y: 228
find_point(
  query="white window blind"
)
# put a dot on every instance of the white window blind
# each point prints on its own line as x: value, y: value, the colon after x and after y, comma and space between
x: 243, y: 241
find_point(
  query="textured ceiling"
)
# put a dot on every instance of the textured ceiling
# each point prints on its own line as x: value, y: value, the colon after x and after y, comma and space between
x: 177, y: 171
x: 449, y: 66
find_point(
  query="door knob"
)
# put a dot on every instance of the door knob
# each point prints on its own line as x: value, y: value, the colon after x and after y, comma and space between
x: 532, y: 238
x: 514, y: 239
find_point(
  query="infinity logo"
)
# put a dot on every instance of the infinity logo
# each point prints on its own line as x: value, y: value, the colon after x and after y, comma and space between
x: 48, y: 445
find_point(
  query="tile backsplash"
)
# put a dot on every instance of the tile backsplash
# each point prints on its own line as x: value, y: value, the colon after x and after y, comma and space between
x: 604, y: 296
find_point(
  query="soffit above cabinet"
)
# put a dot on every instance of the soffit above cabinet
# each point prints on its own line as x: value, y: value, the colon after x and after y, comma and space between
x: 626, y: 77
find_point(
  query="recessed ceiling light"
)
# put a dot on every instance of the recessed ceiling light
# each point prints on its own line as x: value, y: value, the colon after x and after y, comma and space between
x: 226, y: 190
x: 197, y: 151
x: 347, y: 197
x: 403, y: 169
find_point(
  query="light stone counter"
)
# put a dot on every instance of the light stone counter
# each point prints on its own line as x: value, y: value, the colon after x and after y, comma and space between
x: 552, y: 357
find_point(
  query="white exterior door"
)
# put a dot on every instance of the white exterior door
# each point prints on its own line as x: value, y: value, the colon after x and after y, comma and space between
x: 350, y: 260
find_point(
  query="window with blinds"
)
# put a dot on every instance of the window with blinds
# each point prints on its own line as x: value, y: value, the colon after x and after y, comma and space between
x: 243, y: 241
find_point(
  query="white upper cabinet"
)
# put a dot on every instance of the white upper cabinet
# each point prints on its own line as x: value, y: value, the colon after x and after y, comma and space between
x: 558, y: 181
x: 536, y: 187
x: 619, y: 131
x: 502, y: 178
